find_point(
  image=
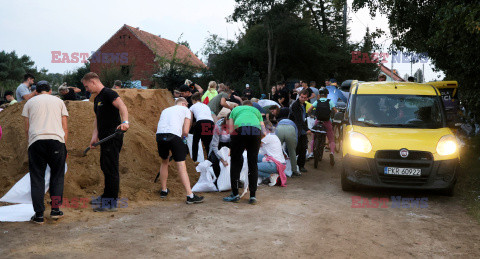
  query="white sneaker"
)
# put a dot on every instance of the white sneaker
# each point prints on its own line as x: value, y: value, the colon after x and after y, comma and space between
x: 273, y: 179
x: 309, y: 155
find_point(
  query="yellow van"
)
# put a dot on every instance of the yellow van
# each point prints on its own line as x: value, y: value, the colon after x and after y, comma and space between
x: 396, y: 136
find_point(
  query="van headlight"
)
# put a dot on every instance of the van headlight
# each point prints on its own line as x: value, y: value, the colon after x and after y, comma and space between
x: 360, y: 143
x: 447, y: 145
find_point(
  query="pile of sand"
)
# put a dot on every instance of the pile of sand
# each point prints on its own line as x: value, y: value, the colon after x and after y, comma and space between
x: 139, y: 160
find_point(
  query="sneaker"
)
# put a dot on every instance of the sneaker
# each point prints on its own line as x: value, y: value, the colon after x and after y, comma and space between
x: 296, y: 174
x: 232, y: 198
x: 266, y: 181
x: 273, y: 179
x: 96, y: 201
x: 105, y: 209
x: 56, y: 214
x: 195, y: 199
x: 37, y: 220
x: 309, y: 155
x: 303, y: 170
x: 164, y: 194
x: 252, y: 201
x: 332, y: 159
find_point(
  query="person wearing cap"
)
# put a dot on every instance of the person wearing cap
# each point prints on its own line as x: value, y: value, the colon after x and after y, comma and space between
x: 111, y: 115
x: 24, y: 91
x: 46, y: 130
x: 68, y: 92
x: 247, y: 93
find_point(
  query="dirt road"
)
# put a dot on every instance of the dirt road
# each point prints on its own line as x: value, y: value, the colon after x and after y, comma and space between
x: 311, y: 217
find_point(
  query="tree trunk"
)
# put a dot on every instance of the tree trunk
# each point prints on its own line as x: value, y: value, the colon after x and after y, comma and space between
x: 270, y: 58
x: 324, y: 18
x: 310, y: 6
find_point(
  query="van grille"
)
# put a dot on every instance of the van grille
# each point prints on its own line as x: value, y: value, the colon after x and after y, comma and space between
x: 415, y: 159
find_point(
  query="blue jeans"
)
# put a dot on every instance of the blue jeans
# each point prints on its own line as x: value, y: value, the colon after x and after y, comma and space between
x: 265, y: 169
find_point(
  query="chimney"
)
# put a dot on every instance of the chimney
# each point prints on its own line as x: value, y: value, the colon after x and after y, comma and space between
x: 138, y: 28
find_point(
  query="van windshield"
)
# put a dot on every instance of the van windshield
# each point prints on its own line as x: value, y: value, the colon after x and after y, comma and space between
x: 398, y: 111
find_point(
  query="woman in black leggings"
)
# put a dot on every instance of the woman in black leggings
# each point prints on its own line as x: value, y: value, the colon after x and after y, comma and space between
x: 203, y: 128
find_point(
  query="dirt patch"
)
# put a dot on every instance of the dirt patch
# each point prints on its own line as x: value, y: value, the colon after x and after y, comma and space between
x: 139, y: 161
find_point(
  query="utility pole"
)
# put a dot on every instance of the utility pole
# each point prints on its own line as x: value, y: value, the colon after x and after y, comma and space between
x: 345, y: 24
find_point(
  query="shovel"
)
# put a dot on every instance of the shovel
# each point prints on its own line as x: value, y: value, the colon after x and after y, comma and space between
x: 117, y: 133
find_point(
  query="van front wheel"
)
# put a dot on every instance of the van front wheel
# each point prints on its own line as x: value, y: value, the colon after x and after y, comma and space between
x: 347, y: 186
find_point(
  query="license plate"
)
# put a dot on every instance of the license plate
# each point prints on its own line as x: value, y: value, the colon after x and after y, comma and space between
x: 403, y: 171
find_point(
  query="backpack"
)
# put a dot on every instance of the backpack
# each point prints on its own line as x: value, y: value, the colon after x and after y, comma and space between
x: 322, y: 112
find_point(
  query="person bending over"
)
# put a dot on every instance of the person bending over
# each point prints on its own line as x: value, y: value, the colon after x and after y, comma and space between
x: 174, y: 124
x: 203, y: 128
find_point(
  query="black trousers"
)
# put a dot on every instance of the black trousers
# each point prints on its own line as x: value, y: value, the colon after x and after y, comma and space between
x: 214, y: 159
x: 302, y: 150
x: 40, y: 154
x: 203, y: 130
x: 245, y: 138
x: 109, y: 162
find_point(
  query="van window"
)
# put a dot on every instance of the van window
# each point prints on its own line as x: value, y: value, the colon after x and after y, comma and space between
x: 398, y: 111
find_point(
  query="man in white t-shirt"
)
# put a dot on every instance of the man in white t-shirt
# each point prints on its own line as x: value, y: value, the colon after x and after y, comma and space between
x: 46, y: 130
x: 272, y: 147
x: 174, y: 125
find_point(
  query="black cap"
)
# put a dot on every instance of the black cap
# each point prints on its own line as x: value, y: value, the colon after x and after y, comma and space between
x: 8, y: 93
x: 184, y: 88
x: 43, y: 82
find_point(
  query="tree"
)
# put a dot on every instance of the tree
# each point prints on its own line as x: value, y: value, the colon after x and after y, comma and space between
x: 448, y: 30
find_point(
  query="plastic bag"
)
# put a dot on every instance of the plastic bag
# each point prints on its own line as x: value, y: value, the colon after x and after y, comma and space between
x: 223, y: 182
x: 206, y: 182
x: 21, y: 191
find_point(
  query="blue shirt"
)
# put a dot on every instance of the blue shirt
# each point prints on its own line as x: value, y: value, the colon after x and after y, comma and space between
x: 259, y: 108
x: 334, y: 94
x: 22, y: 90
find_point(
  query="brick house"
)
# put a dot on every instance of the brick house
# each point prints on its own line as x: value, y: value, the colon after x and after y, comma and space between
x: 137, y: 52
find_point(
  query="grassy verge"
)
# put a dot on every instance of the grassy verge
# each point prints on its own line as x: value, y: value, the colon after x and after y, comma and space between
x: 468, y: 186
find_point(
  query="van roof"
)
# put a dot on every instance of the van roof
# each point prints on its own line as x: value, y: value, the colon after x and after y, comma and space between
x: 443, y: 84
x: 405, y: 88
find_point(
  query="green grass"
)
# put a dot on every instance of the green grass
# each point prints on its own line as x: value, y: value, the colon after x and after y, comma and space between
x: 468, y: 185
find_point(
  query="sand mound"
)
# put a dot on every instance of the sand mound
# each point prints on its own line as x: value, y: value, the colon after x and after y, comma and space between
x: 139, y: 161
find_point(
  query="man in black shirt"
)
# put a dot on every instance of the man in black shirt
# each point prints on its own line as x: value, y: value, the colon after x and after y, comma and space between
x: 108, y: 108
x: 68, y: 92
x: 186, y: 93
x: 298, y: 115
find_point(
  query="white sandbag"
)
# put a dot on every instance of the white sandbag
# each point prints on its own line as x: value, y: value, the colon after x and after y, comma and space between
x: 223, y: 182
x: 288, y: 170
x: 244, y: 174
x: 206, y: 182
x: 21, y: 191
x: 16, y: 213
x: 265, y: 102
x: 200, y: 157
x: 310, y: 122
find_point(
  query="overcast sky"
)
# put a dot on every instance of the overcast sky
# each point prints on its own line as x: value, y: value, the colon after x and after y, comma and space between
x: 36, y: 28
